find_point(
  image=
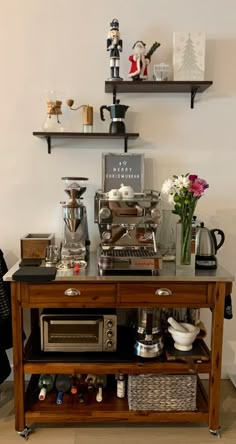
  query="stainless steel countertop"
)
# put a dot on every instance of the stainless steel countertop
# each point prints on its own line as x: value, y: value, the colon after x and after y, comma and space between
x: 168, y: 274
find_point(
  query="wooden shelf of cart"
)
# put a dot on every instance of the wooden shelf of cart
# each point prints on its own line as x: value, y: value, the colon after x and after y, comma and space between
x: 146, y: 86
x: 112, y: 409
x: 75, y: 135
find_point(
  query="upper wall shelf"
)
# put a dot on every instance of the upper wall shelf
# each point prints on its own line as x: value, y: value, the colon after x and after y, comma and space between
x: 74, y: 135
x: 146, y: 86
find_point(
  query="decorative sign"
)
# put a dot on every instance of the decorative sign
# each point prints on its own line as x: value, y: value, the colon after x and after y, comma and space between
x: 127, y: 169
x: 189, y: 55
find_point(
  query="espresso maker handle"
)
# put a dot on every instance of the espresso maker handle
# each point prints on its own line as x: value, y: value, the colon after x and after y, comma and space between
x: 221, y: 234
x: 101, y: 111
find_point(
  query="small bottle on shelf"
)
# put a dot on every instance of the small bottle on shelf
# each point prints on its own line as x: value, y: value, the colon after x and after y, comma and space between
x: 45, y: 384
x: 120, y: 386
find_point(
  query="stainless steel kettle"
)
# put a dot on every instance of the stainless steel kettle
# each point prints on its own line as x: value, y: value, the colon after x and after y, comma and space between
x: 206, y: 241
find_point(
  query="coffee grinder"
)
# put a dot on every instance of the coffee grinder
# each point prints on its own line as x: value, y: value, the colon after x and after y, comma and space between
x: 75, y: 239
x: 149, y: 341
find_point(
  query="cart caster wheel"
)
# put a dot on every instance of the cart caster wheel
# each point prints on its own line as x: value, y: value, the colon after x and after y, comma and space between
x: 216, y: 432
x: 25, y: 433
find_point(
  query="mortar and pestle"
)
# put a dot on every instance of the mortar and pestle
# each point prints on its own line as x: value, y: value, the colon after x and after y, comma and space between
x: 183, y: 334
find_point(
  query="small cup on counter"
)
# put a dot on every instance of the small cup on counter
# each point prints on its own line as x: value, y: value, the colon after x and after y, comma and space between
x: 52, y: 255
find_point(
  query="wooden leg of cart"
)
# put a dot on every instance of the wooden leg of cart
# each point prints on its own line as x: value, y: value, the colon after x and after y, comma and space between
x: 216, y: 356
x: 19, y: 379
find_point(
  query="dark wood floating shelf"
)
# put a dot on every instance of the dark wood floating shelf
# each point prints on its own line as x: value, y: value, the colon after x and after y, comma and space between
x: 74, y: 135
x: 146, y: 86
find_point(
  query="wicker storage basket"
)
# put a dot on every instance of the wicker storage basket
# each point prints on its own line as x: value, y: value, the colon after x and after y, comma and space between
x: 162, y: 392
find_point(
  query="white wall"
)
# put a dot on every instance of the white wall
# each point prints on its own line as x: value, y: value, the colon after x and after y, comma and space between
x: 61, y: 44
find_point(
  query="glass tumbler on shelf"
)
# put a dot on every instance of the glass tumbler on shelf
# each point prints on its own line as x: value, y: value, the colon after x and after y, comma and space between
x: 161, y: 72
x: 167, y: 236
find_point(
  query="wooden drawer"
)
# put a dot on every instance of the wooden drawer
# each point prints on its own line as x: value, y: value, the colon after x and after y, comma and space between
x: 67, y: 294
x: 163, y: 293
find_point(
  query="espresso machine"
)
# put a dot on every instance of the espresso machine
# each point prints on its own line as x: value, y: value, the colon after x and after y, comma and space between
x: 127, y: 228
x: 75, y: 245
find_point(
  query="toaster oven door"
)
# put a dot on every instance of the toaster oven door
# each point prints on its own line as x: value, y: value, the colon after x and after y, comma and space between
x: 72, y: 334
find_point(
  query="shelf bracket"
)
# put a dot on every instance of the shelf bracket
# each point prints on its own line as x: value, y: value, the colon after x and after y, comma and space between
x: 193, y: 94
x: 114, y: 95
x: 126, y: 145
x: 48, y: 138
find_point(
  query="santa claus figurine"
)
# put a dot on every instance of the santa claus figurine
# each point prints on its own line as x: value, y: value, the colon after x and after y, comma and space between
x: 140, y: 60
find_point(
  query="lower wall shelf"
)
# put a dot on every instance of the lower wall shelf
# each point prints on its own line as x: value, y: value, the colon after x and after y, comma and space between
x: 74, y: 135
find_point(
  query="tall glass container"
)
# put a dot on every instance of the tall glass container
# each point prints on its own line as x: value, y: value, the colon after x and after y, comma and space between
x: 167, y: 236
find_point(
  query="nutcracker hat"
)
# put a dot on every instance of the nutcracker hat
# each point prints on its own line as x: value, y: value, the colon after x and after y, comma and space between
x: 114, y: 25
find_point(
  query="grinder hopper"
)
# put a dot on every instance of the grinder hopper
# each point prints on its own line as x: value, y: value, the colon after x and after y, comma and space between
x: 76, y: 241
x: 73, y: 211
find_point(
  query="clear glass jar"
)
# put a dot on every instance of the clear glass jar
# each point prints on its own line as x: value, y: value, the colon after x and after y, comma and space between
x: 167, y: 236
x: 53, y: 121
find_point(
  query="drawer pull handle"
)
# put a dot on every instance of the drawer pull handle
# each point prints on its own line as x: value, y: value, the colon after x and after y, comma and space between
x: 163, y: 292
x: 72, y: 292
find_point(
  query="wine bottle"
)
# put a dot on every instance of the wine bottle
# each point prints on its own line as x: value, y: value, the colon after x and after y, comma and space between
x: 45, y: 384
x: 63, y: 384
x: 82, y: 389
x: 101, y: 382
x: 74, y: 384
x: 90, y: 379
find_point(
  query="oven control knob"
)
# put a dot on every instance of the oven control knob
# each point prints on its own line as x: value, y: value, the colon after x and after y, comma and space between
x: 109, y: 323
x: 109, y: 334
x: 109, y: 344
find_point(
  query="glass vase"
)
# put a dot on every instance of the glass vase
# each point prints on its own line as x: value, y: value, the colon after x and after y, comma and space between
x: 185, y: 256
x: 167, y: 237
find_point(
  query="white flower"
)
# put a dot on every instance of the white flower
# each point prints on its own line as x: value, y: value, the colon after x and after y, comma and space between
x: 181, y: 182
x: 166, y: 187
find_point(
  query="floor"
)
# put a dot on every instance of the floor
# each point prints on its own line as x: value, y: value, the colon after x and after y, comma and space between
x: 108, y: 434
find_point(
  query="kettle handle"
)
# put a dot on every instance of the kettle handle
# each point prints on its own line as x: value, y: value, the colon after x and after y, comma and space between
x: 101, y: 111
x: 221, y: 234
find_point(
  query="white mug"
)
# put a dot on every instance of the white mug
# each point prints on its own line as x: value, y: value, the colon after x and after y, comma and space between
x: 114, y: 194
x: 126, y: 192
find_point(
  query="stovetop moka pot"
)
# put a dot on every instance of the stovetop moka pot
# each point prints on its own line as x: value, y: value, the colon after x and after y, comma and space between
x: 117, y: 114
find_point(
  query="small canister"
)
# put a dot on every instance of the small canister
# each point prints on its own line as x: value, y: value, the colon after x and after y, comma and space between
x: 87, y: 119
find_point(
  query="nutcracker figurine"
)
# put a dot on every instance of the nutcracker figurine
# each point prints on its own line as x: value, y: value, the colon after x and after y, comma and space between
x: 140, y: 60
x: 114, y: 45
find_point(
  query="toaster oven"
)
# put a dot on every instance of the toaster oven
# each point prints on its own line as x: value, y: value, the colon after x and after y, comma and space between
x: 86, y: 331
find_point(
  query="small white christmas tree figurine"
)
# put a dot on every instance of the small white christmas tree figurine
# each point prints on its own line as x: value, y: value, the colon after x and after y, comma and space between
x: 114, y: 45
x: 189, y: 55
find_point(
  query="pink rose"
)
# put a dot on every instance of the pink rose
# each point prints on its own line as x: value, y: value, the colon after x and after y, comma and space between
x: 196, y: 188
x: 203, y: 183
